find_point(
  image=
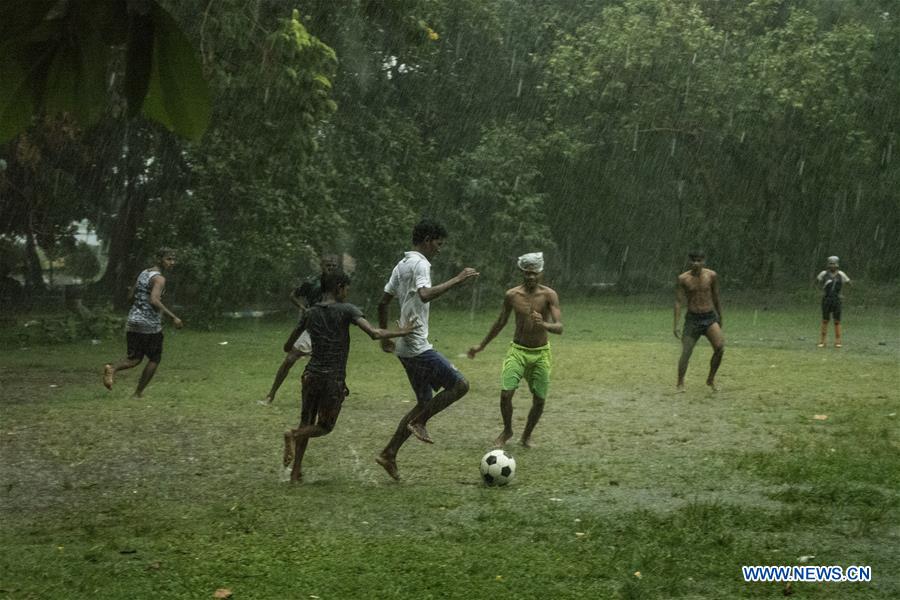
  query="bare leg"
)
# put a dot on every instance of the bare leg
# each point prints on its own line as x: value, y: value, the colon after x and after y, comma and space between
x: 506, y: 411
x: 837, y: 334
x: 146, y: 376
x: 282, y: 373
x: 534, y: 415
x: 388, y: 457
x: 717, y: 340
x: 687, y: 348
x: 109, y: 370
x: 823, y: 334
x: 301, y: 439
x: 444, y: 399
x: 418, y: 415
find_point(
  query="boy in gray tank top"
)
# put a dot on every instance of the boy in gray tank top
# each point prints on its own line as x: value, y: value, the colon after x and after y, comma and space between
x: 143, y: 331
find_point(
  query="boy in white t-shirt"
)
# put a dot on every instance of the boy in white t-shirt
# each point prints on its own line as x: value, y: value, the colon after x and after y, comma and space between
x: 427, y: 369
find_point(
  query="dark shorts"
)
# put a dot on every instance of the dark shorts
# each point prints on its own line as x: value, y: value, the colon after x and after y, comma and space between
x: 322, y: 400
x: 144, y: 344
x: 831, y: 308
x: 696, y: 324
x: 428, y: 372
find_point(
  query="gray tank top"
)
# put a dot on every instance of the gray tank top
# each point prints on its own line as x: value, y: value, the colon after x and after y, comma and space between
x: 143, y: 316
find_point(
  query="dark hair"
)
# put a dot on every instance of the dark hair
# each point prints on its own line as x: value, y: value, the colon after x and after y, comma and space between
x: 695, y: 254
x: 330, y: 282
x: 428, y: 229
x: 164, y: 251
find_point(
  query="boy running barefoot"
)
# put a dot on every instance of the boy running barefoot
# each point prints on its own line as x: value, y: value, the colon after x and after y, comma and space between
x: 537, y: 313
x: 427, y: 369
x: 144, y: 335
x: 328, y: 323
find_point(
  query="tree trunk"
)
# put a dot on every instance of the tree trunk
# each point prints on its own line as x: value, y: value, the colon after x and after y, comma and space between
x: 34, y: 274
x: 122, y: 265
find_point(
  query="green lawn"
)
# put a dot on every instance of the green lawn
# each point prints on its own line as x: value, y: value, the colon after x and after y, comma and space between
x: 632, y: 491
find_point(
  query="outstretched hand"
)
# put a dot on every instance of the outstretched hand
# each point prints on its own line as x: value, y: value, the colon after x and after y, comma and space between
x: 474, y: 350
x: 467, y: 273
x: 412, y: 325
x: 177, y: 322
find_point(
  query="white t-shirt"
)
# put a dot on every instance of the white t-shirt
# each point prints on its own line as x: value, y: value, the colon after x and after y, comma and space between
x: 412, y: 273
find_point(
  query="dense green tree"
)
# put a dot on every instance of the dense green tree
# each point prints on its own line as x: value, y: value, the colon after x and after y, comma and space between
x: 612, y: 134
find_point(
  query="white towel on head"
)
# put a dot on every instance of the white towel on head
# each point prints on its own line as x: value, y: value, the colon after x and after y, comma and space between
x: 533, y: 261
x: 833, y: 259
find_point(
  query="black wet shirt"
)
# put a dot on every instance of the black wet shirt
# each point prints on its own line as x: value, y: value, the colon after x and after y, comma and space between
x: 310, y: 290
x: 329, y: 329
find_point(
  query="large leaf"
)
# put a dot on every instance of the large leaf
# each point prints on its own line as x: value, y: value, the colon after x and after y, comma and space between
x: 93, y: 61
x: 177, y: 95
x: 21, y: 18
x: 16, y: 104
x: 59, y: 88
x: 138, y: 60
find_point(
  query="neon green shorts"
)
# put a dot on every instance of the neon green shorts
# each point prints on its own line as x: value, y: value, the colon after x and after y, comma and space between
x: 531, y: 363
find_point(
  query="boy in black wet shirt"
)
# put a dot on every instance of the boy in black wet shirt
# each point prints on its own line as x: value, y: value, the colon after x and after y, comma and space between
x: 328, y: 323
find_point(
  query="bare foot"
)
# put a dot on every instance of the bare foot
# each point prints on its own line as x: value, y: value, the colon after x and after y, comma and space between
x: 679, y: 389
x: 138, y: 395
x: 296, y: 477
x: 108, y: 375
x: 502, y: 438
x: 389, y: 465
x: 288, y: 456
x: 712, y: 385
x: 419, y: 431
x: 526, y: 443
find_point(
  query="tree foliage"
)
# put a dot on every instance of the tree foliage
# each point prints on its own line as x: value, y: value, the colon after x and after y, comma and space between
x: 612, y: 135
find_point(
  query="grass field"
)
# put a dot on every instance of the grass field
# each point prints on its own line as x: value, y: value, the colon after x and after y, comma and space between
x: 631, y: 491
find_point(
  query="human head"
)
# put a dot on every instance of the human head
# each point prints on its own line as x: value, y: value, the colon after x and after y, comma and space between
x: 165, y: 257
x: 833, y: 262
x: 697, y: 258
x: 330, y: 263
x: 428, y: 236
x: 532, y: 267
x: 336, y: 283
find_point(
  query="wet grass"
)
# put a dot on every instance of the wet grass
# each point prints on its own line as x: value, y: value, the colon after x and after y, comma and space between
x: 632, y: 491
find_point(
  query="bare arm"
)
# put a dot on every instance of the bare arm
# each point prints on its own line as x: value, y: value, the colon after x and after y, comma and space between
x: 427, y: 294
x: 298, y: 300
x: 382, y: 333
x: 383, y: 307
x: 159, y: 284
x: 556, y: 325
x: 679, y: 300
x: 714, y: 285
x: 496, y: 328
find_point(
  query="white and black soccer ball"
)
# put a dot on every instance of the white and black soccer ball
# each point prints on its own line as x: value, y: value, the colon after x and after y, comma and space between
x: 497, y: 467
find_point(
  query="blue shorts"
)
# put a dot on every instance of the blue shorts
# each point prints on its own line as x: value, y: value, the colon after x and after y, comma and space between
x: 428, y: 372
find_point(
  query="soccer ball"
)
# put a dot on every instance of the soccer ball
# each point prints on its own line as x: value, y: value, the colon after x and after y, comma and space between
x: 497, y: 467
